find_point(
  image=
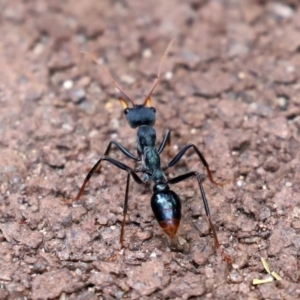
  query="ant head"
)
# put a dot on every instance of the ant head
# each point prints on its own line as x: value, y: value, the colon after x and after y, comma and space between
x: 138, y: 115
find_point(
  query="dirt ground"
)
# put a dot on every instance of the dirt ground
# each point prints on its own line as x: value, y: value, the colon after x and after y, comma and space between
x: 230, y: 85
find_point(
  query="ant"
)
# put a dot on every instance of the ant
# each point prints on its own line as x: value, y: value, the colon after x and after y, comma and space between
x: 165, y: 203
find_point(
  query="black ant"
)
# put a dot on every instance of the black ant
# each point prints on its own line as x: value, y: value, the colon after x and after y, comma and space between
x: 165, y: 203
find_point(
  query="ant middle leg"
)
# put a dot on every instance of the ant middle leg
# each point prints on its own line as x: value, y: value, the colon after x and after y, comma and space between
x: 97, y: 166
x: 182, y: 177
x: 179, y: 155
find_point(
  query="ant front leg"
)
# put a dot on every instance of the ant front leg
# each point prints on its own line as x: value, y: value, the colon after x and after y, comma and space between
x: 180, y: 178
x: 166, y: 142
x: 130, y: 172
x: 122, y: 149
x: 97, y: 166
x: 136, y: 178
x: 179, y: 155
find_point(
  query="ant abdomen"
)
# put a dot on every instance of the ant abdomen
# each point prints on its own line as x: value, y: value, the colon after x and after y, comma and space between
x: 166, y: 207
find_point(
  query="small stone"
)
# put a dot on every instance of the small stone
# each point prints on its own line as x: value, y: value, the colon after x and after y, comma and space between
x: 102, y: 220
x: 189, y: 286
x: 144, y: 235
x: 281, y: 10
x: 241, y: 75
x: 34, y: 95
x: 147, y: 278
x: 101, y: 279
x: 296, y: 243
x: 235, y: 276
x: 169, y: 75
x: 34, y: 208
x: 63, y: 255
x: 239, y: 183
x: 61, y: 234
x: 84, y: 82
x: 181, y: 241
x: 282, y: 102
x: 128, y: 79
x: 201, y: 253
x: 52, y: 284
x: 278, y: 126
x: 296, y: 224
x: 78, y: 95
x: 193, y: 130
x: 147, y: 53
x: 264, y: 213
x: 271, y: 165
x: 114, y: 124
x: 68, y: 84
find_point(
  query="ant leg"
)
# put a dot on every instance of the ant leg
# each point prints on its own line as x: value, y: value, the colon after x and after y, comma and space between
x: 165, y: 142
x: 122, y: 149
x: 179, y: 155
x: 125, y: 206
x: 136, y: 178
x: 87, y: 178
x: 130, y: 172
x: 179, y: 178
x: 97, y: 166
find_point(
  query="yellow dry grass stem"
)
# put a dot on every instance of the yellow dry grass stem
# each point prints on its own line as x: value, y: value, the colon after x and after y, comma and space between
x: 269, y: 278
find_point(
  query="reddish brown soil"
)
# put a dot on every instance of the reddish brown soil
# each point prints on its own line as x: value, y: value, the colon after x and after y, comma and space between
x: 231, y: 86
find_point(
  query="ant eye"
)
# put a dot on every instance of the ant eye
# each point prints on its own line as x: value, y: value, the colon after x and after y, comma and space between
x: 153, y: 109
x: 126, y: 111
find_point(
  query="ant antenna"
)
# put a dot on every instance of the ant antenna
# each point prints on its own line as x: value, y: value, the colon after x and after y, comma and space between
x: 158, y: 73
x: 109, y: 76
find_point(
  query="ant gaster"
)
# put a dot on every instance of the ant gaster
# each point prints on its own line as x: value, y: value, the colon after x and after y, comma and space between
x: 165, y: 203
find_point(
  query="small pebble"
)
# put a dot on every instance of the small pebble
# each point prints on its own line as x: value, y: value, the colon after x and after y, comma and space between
x: 102, y: 220
x: 128, y: 79
x: 169, y: 75
x: 147, y: 53
x: 241, y: 75
x: 281, y: 10
x: 296, y: 224
x: 144, y: 235
x: 239, y: 183
x: 68, y: 84
x: 181, y: 241
x: 84, y: 81
x: 235, y: 277
x: 282, y: 102
x: 193, y: 130
x: 78, y: 95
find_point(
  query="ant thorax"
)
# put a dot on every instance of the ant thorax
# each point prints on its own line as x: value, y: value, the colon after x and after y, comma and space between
x: 146, y: 137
